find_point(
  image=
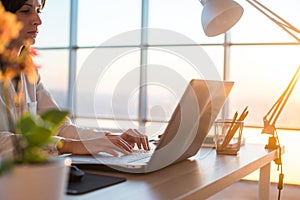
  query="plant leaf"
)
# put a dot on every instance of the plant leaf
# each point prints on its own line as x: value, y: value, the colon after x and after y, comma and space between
x: 37, y: 132
x: 38, y: 137
x: 26, y: 123
x: 54, y: 117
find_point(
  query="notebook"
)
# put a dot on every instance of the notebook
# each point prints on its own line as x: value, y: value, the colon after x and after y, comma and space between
x: 187, y: 128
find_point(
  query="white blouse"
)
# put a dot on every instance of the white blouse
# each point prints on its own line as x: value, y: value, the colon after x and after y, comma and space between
x: 37, y: 99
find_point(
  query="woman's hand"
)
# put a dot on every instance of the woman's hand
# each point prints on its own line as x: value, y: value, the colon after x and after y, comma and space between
x: 111, y: 144
x: 91, y: 146
x: 131, y: 137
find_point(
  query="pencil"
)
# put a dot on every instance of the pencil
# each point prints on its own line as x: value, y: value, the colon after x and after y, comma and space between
x: 229, y: 130
x: 232, y: 131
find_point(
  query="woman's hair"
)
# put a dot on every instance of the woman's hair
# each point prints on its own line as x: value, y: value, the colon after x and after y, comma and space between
x: 14, y: 5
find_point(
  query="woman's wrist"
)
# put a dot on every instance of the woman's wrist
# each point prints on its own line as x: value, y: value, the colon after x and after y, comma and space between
x: 63, y: 146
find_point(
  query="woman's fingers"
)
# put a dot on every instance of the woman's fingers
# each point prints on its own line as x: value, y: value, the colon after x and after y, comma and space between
x: 120, y: 143
x: 143, y: 140
x: 133, y: 136
x: 112, y: 145
x: 110, y: 151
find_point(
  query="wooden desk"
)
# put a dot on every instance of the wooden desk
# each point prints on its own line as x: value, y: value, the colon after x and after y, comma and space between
x: 199, y: 178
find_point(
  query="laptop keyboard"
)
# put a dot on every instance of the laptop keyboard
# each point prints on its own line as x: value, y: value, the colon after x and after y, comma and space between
x: 133, y: 157
x: 140, y: 156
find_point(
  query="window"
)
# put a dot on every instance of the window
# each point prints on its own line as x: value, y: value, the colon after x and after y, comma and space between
x: 101, y: 20
x: 254, y: 27
x: 258, y: 63
x: 54, y: 73
x: 101, y: 69
x: 54, y: 31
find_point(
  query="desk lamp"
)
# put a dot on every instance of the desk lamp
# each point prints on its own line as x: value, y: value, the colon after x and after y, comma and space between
x: 218, y: 16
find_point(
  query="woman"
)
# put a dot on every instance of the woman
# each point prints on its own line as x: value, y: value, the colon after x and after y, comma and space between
x: 75, y: 139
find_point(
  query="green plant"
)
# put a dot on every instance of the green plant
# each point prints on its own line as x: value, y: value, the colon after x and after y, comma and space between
x: 33, y: 134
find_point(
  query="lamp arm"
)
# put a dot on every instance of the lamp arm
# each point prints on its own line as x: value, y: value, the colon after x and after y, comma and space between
x: 275, y: 111
x: 280, y: 103
x: 272, y: 111
x: 286, y: 26
x: 290, y: 89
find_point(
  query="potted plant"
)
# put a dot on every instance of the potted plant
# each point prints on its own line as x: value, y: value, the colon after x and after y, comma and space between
x: 29, y: 173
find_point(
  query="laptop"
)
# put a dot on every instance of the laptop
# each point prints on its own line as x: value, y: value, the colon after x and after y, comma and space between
x: 187, y: 128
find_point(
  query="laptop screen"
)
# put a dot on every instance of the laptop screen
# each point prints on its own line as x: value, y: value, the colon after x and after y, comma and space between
x: 191, y: 120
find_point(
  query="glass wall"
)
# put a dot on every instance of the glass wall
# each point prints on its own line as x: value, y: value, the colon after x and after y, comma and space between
x: 55, y: 28
x: 122, y: 63
x: 115, y: 57
x: 101, y: 20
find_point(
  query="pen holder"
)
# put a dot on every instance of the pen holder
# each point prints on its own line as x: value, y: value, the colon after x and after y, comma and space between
x: 228, y: 135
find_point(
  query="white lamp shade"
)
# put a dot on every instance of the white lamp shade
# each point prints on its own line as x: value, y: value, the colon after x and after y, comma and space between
x: 218, y: 16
